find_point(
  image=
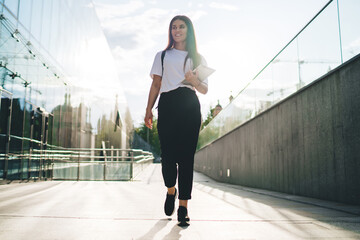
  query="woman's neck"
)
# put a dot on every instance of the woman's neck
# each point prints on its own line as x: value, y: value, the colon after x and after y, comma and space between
x: 180, y: 46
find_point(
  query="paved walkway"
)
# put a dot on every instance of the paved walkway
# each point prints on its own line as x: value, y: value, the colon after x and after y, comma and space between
x: 134, y: 210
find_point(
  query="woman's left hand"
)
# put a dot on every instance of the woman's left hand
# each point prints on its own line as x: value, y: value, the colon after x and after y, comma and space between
x: 192, y: 78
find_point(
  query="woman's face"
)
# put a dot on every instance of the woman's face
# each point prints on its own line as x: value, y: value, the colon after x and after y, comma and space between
x: 178, y: 30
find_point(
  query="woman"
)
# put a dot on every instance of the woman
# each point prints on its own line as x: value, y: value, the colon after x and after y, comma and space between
x: 179, y: 116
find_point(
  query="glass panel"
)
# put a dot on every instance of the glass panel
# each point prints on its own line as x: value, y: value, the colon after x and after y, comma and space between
x: 92, y: 171
x: 314, y: 52
x: 118, y: 170
x: 37, y: 128
x: 65, y: 170
x: 319, y: 46
x: 12, y: 5
x: 36, y: 18
x: 25, y: 165
x: 56, y: 126
x: 50, y: 130
x: 18, y: 117
x: 7, y: 81
x: 28, y: 120
x: 46, y: 24
x: 15, y: 146
x: 25, y: 13
x: 66, y: 124
x: 34, y: 166
x: 25, y: 159
x: 14, y: 168
x: 45, y: 131
x: 2, y: 151
x: 4, y: 121
x: 54, y: 30
x: 5, y: 109
x: 75, y: 110
x: 350, y: 33
x: 10, y: 16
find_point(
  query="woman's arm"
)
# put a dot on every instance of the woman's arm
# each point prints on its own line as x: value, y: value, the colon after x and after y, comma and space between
x: 153, y: 94
x: 195, y: 82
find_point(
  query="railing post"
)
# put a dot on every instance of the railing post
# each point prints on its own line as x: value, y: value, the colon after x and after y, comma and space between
x: 78, y: 170
x: 30, y: 162
x: 39, y: 161
x: 6, y: 166
x: 21, y: 164
x: 105, y: 159
x: 131, y: 164
x: 52, y: 167
x: 45, y: 166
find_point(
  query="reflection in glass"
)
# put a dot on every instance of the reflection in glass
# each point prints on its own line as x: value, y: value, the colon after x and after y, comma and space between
x: 25, y: 13
x: 313, y: 53
x: 350, y: 34
x: 12, y: 5
x: 27, y: 120
x: 37, y: 127
x: 5, y: 109
x: 46, y: 24
x: 50, y: 129
x: 36, y: 20
x: 319, y: 46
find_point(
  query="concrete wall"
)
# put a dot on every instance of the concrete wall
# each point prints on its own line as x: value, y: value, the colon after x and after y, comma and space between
x: 308, y: 144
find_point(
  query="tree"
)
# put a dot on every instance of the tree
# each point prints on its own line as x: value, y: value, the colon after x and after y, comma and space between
x: 150, y: 136
x: 209, y: 117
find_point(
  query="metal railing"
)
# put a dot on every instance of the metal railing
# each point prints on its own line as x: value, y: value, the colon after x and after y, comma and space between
x: 77, y: 164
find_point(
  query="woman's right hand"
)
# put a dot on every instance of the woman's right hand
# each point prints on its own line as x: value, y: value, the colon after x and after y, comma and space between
x: 154, y: 92
x: 148, y: 118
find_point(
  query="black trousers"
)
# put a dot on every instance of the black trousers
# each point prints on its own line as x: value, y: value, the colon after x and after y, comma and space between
x: 179, y: 120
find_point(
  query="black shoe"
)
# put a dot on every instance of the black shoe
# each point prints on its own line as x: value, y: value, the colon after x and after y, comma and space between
x: 183, y: 218
x: 169, y: 205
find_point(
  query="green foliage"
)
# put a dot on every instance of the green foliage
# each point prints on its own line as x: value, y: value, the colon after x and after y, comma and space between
x: 150, y: 135
x: 209, y: 117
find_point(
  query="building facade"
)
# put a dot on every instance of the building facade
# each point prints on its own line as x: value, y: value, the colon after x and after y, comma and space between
x: 58, y: 83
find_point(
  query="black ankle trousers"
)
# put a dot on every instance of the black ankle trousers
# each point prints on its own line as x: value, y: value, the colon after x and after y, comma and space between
x: 179, y: 120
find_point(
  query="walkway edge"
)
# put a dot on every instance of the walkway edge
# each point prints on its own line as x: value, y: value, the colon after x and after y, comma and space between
x: 350, y: 209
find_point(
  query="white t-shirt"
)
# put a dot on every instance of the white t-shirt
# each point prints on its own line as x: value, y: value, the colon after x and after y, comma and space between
x: 174, y: 72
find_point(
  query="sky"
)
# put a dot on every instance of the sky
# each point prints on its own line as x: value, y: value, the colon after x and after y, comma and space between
x: 236, y: 37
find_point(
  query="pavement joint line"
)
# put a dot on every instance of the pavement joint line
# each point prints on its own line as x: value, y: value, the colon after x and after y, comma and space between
x: 192, y: 220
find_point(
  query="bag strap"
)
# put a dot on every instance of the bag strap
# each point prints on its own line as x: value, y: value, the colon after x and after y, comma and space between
x: 162, y: 60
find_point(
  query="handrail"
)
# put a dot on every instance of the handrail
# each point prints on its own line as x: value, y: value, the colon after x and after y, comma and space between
x: 316, y: 15
x: 76, y: 163
x: 227, y: 120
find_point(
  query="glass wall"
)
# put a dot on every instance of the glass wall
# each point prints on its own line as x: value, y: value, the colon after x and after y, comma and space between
x: 329, y: 39
x: 57, y: 80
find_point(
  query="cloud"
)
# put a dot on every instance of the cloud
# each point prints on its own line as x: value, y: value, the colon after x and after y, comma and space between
x: 138, y: 27
x: 354, y: 44
x: 223, y: 6
x: 196, y: 15
x: 132, y: 37
x: 110, y: 11
x: 125, y: 40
